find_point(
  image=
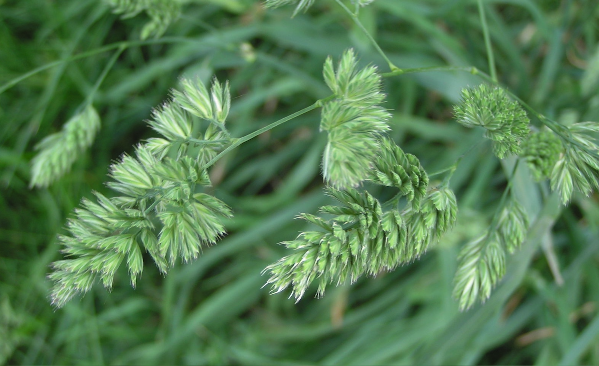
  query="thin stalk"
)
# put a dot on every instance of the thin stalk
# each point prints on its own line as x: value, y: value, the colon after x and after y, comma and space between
x: 562, y: 131
x: 490, y: 56
x: 154, y: 204
x: 394, y: 200
x: 495, y: 219
x: 559, y: 129
x: 44, y: 101
x: 105, y: 72
x: 237, y: 142
x: 470, y: 69
x: 444, y: 169
x: 109, y: 47
x: 356, y: 20
x: 454, y: 166
x: 205, y: 142
x: 452, y: 170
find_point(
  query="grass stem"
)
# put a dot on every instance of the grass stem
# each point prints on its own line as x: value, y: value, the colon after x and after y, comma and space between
x: 356, y: 20
x: 237, y: 142
x: 490, y: 56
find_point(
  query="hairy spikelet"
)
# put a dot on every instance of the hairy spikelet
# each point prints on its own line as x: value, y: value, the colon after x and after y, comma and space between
x: 161, y: 13
x: 542, y: 151
x: 303, y: 5
x: 436, y: 214
x: 351, y: 244
x: 354, y: 121
x: 578, y: 167
x: 362, y: 2
x: 173, y: 121
x: 360, y: 239
x: 57, y: 152
x: 394, y: 168
x: 482, y: 261
x: 504, y: 120
x: 160, y: 207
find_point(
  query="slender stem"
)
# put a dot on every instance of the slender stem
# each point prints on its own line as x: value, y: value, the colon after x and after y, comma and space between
x: 109, y: 47
x: 444, y: 169
x: 452, y: 170
x: 454, y: 166
x: 395, y: 72
x: 205, y: 142
x: 374, y: 43
x: 107, y: 68
x: 394, y: 200
x: 237, y: 142
x: 556, y: 127
x: 562, y: 131
x: 470, y: 69
x: 151, y: 207
x: 495, y: 220
x: 483, y: 19
x: 351, y: 225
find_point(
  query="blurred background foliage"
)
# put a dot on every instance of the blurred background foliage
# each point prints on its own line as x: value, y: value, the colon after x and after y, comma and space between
x: 214, y: 311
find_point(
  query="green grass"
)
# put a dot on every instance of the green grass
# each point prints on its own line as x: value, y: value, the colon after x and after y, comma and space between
x: 214, y: 311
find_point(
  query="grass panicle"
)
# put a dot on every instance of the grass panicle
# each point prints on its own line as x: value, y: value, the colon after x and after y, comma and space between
x: 161, y: 13
x: 161, y: 208
x: 354, y: 121
x: 302, y: 5
x: 360, y: 239
x: 482, y: 262
x: 157, y: 206
x: 542, y: 151
x: 577, y: 168
x: 504, y: 120
x: 57, y: 152
x: 394, y: 168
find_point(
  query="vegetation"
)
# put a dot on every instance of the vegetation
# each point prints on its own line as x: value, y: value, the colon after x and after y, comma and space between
x: 456, y: 172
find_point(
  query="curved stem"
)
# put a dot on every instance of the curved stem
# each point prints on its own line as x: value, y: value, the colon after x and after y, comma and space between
x: 483, y: 19
x: 556, y: 127
x: 470, y: 69
x: 112, y: 46
x: 495, y: 219
x: 237, y: 142
x: 107, y: 68
x: 562, y: 131
x: 205, y: 142
x: 454, y: 166
x: 356, y: 20
x: 151, y: 207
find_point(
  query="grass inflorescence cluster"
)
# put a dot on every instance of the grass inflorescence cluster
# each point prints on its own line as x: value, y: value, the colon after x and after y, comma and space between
x: 447, y: 210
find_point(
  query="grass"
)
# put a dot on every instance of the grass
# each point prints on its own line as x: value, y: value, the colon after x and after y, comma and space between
x: 213, y: 311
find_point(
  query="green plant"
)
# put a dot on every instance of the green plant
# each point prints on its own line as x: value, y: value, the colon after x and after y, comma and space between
x: 163, y: 210
x: 162, y: 207
x: 161, y: 13
x: 504, y: 121
x: 58, y: 152
x: 211, y: 310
